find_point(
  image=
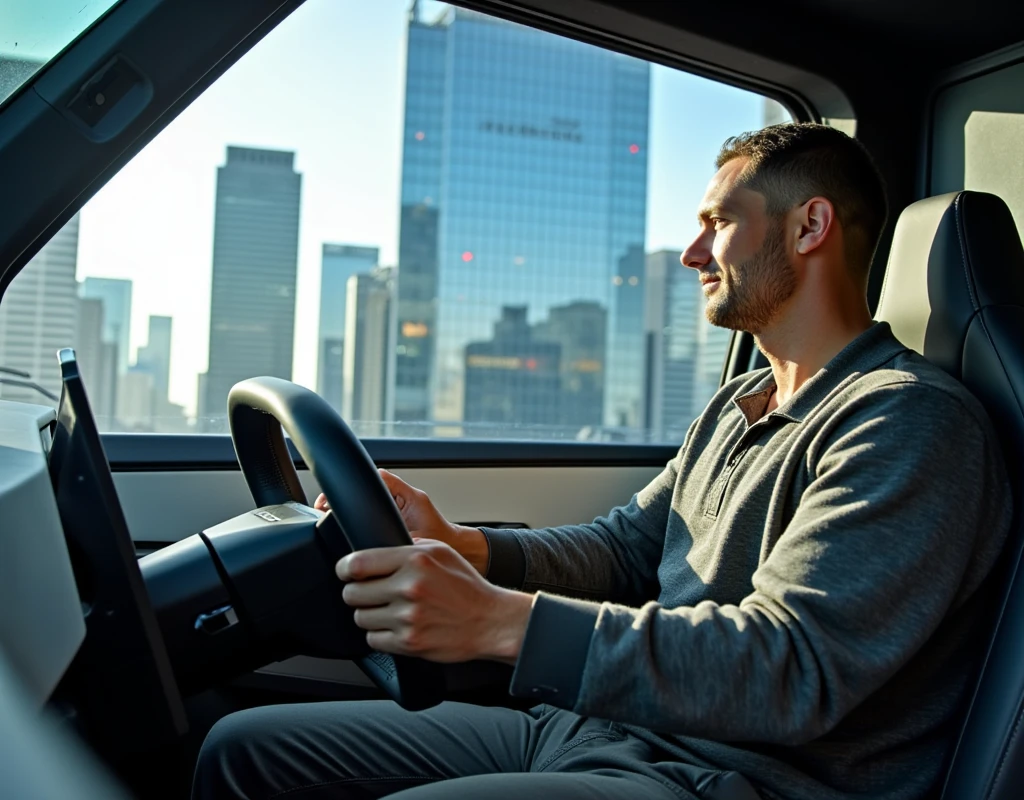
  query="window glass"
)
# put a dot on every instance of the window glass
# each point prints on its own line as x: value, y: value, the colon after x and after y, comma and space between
x: 34, y: 31
x: 994, y: 157
x: 978, y: 138
x: 445, y: 223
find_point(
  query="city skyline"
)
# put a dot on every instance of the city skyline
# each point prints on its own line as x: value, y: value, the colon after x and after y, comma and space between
x: 153, y: 222
x: 135, y: 253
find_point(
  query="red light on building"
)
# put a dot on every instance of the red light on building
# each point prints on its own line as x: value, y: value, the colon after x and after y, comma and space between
x: 467, y: 256
x: 634, y: 149
x: 531, y: 363
x: 420, y: 136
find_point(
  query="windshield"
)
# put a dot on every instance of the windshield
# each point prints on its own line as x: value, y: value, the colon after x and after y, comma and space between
x: 34, y: 31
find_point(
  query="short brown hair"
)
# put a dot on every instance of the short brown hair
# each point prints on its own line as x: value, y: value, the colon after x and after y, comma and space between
x: 793, y: 162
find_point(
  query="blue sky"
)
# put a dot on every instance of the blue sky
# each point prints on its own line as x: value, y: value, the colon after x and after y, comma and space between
x: 328, y: 84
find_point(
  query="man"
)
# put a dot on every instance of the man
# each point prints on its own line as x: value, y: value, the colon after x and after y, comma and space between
x: 788, y: 611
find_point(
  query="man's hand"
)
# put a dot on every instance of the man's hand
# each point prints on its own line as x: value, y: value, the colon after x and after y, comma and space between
x: 424, y: 521
x: 427, y: 601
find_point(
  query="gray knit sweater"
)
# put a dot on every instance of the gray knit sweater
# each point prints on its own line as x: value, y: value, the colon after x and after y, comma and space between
x: 796, y: 596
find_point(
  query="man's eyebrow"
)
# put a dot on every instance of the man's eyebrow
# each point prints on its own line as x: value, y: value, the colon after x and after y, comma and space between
x: 713, y: 209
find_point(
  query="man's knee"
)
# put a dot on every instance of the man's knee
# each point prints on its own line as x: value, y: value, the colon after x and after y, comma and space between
x: 230, y: 758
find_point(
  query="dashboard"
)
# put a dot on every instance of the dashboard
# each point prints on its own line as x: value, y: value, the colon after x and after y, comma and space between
x: 77, y: 623
x: 42, y: 625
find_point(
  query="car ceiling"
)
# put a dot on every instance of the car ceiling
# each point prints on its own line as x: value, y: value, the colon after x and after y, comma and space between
x: 836, y: 36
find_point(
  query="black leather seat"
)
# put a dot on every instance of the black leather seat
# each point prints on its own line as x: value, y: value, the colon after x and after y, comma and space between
x: 954, y: 291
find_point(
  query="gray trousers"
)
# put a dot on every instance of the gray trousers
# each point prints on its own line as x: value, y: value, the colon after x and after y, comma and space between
x: 371, y: 749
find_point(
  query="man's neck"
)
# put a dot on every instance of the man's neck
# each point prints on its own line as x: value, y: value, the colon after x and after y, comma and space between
x: 799, y: 344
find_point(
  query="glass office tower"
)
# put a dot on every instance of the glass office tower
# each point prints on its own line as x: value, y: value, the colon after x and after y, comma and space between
x: 524, y: 183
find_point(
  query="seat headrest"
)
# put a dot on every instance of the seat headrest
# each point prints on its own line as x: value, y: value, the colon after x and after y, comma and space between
x: 951, y: 256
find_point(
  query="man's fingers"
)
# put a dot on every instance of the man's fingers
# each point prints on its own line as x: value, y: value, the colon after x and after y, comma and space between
x: 384, y: 642
x: 321, y: 503
x: 375, y: 619
x: 365, y: 594
x: 373, y: 563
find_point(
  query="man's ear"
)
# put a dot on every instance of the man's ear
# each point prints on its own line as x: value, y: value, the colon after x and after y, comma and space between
x: 815, y: 220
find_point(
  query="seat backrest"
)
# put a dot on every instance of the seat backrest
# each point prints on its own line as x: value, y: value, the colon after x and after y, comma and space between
x: 954, y: 292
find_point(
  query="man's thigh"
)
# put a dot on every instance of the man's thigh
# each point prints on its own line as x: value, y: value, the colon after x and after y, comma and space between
x: 371, y: 749
x: 357, y: 749
x: 542, y: 786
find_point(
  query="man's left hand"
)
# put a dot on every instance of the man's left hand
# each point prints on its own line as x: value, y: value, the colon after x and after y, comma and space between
x: 426, y: 600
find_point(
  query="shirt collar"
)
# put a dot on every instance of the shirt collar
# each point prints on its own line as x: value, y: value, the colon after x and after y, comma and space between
x: 867, y: 352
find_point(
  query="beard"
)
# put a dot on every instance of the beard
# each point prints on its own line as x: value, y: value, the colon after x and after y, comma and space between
x: 756, y: 289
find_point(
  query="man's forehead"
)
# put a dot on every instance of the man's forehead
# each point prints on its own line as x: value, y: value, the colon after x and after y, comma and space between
x: 726, y: 189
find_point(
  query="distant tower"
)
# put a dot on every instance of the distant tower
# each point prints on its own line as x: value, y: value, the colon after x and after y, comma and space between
x: 255, y: 258
x: 339, y: 262
x: 97, y: 359
x: 155, y: 356
x: 116, y: 295
x: 370, y: 304
x: 39, y: 314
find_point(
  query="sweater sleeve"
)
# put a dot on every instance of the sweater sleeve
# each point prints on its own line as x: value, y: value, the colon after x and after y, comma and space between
x: 879, y: 549
x: 615, y: 557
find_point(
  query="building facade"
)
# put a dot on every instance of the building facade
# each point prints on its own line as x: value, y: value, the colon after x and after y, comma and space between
x: 339, y: 262
x: 685, y: 353
x: 524, y: 182
x: 155, y: 356
x: 512, y: 380
x: 97, y: 361
x: 368, y: 341
x: 39, y: 316
x: 116, y: 296
x: 255, y: 257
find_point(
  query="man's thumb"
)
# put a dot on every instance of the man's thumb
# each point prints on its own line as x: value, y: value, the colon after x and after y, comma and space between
x: 397, y: 487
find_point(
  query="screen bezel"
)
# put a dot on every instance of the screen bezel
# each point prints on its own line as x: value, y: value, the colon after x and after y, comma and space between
x: 121, y: 682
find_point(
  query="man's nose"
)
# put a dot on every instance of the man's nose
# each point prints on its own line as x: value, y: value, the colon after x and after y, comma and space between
x: 697, y: 255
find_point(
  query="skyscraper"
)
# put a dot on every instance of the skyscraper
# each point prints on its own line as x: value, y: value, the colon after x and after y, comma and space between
x: 519, y: 196
x: 38, y: 315
x: 339, y: 262
x: 155, y: 356
x: 685, y: 352
x: 255, y: 254
x: 369, y: 304
x: 581, y: 331
x: 713, y: 347
x: 97, y: 360
x: 116, y: 295
x: 672, y: 317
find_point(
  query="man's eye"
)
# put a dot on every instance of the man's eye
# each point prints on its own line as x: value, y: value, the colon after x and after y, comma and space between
x: 718, y: 222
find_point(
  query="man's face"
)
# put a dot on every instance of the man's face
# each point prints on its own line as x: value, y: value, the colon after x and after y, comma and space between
x: 740, y: 254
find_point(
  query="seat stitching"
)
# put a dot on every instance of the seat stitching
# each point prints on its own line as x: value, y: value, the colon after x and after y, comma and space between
x: 1006, y: 752
x: 885, y: 275
x: 964, y: 257
x: 1002, y: 610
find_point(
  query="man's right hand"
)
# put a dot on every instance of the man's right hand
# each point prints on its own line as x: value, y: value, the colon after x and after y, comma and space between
x: 424, y: 521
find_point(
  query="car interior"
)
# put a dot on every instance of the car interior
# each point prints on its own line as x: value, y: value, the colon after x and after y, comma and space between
x: 152, y: 582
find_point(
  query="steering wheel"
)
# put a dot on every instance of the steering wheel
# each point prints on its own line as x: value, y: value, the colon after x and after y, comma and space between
x: 361, y: 505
